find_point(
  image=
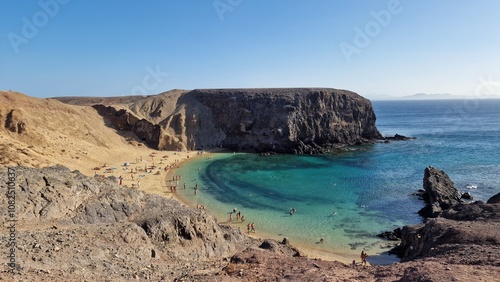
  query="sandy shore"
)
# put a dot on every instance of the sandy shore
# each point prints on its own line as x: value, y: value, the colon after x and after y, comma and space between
x: 145, y: 169
x: 340, y: 256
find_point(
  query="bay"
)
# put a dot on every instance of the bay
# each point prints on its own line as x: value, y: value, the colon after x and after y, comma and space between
x: 348, y: 198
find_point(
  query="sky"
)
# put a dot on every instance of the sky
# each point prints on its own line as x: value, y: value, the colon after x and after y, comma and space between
x: 377, y: 48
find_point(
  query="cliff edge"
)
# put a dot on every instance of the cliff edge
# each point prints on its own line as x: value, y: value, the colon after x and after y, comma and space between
x: 281, y: 120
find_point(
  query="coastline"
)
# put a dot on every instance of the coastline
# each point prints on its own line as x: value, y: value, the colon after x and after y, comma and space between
x: 310, y: 252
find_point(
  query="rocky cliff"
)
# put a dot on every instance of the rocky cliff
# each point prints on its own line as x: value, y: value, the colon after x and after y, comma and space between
x: 456, y: 232
x: 285, y: 120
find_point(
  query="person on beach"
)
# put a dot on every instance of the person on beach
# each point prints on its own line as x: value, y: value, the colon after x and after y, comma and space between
x: 231, y: 217
x: 363, y: 258
x: 252, y: 227
x: 248, y: 228
x: 238, y: 215
x: 196, y: 190
x: 121, y: 179
x: 242, y: 218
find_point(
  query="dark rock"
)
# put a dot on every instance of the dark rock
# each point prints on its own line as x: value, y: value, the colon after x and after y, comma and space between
x: 285, y: 241
x: 420, y: 193
x: 268, y: 245
x: 440, y: 192
x: 467, y: 196
x: 494, y: 200
x: 472, y: 212
x: 394, y: 235
x: 399, y: 137
x: 238, y: 259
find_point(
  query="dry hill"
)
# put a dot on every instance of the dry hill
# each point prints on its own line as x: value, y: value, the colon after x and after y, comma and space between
x: 42, y: 132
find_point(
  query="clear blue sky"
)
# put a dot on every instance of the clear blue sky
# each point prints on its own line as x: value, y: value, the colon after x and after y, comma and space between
x: 105, y: 48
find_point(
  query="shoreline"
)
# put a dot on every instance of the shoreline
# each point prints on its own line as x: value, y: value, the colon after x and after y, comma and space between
x: 157, y: 181
x: 310, y: 252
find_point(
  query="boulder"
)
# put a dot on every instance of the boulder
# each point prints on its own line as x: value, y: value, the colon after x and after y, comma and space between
x: 467, y: 196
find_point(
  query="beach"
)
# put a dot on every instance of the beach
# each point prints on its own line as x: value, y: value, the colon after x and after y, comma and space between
x: 188, y: 198
x: 158, y: 181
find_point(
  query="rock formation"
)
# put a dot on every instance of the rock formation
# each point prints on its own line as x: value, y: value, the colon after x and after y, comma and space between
x: 296, y: 120
x: 457, y: 233
x: 495, y: 199
x: 466, y: 233
x: 439, y: 192
x: 63, y: 215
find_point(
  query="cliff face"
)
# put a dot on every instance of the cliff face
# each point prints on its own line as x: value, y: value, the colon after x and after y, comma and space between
x: 296, y: 120
x: 280, y: 120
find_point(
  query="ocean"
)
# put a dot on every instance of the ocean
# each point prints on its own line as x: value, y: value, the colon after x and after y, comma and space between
x: 349, y: 197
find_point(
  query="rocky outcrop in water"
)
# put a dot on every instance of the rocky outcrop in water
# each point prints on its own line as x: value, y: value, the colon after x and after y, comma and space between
x: 457, y: 233
x: 439, y: 192
x: 287, y: 120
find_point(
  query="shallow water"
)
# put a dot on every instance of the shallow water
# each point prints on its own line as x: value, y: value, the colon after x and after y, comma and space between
x: 348, y: 198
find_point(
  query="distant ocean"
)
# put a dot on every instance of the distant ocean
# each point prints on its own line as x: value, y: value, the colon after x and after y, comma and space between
x: 348, y: 198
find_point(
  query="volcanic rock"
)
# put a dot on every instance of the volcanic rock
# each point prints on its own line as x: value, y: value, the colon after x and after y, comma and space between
x: 494, y: 200
x: 440, y: 192
x: 398, y: 137
x: 96, y: 217
x: 459, y: 233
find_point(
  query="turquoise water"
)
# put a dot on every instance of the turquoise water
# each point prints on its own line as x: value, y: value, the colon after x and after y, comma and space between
x: 348, y: 198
